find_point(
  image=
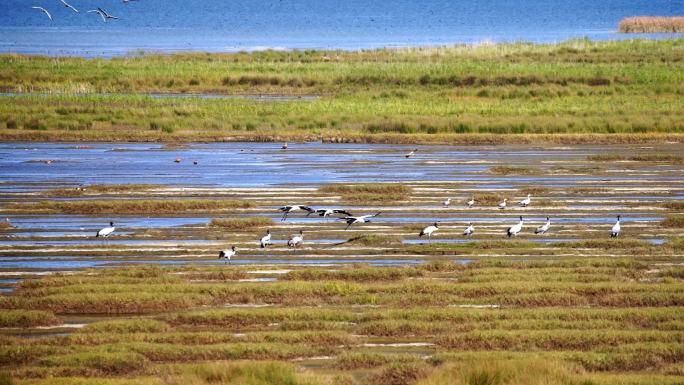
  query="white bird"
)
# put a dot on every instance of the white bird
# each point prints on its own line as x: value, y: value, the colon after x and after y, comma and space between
x: 288, y: 209
x: 227, y: 254
x: 43, y: 10
x: 69, y: 6
x: 447, y: 202
x: 412, y: 153
x: 616, y: 229
x: 515, y: 229
x: 543, y: 228
x: 502, y: 205
x: 526, y: 202
x: 471, y: 202
x: 327, y: 212
x: 266, y: 239
x: 106, y: 16
x: 296, y: 239
x: 429, y: 230
x: 469, y: 230
x: 105, y: 232
x: 362, y: 219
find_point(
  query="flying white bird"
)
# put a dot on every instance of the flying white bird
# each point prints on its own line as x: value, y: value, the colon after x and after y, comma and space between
x: 515, y: 229
x: 69, y: 6
x: 447, y: 202
x: 44, y: 10
x: 526, y: 202
x: 616, y: 229
x: 296, y: 240
x: 502, y: 205
x: 105, y: 16
x: 266, y: 239
x: 288, y: 209
x: 227, y: 254
x: 543, y: 228
x: 327, y: 212
x: 469, y: 230
x: 105, y: 232
x: 429, y: 230
x: 362, y: 219
x: 471, y: 202
x: 412, y: 153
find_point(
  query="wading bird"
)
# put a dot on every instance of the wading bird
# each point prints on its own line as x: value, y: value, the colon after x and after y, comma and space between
x: 69, y: 6
x: 543, y: 228
x: 447, y: 202
x: 44, y: 11
x: 515, y: 229
x: 615, y: 231
x: 227, y: 254
x: 288, y: 209
x: 412, y: 153
x: 502, y: 205
x: 526, y: 202
x: 105, y: 232
x: 471, y: 202
x: 362, y: 219
x: 469, y: 230
x: 296, y: 240
x: 429, y: 230
x: 266, y: 239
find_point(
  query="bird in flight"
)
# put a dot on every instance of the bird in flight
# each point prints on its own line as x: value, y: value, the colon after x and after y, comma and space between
x: 105, y: 16
x: 43, y: 10
x: 69, y: 6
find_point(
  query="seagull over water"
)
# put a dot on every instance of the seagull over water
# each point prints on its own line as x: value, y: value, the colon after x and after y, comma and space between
x: 103, y: 14
x: 69, y: 6
x: 43, y: 10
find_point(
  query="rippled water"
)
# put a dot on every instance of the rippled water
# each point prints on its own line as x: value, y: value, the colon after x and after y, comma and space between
x: 216, y: 25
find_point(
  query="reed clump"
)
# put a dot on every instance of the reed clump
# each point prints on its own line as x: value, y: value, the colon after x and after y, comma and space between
x: 652, y: 24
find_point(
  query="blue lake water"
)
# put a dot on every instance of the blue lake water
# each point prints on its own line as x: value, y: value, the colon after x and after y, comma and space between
x: 216, y: 25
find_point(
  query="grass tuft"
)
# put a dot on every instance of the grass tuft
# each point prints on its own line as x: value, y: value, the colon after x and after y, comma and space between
x: 244, y: 224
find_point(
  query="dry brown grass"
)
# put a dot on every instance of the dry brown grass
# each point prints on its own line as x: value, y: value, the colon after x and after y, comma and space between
x: 652, y: 24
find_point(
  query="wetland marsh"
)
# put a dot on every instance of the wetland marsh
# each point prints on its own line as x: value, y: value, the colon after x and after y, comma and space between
x: 375, y: 304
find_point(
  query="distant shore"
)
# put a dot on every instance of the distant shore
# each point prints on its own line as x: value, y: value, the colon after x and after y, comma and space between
x: 578, y: 91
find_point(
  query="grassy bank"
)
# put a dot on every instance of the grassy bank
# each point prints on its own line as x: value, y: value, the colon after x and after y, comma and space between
x: 573, y: 92
x: 580, y: 321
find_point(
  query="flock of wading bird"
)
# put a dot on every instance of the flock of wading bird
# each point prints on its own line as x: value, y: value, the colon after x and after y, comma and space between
x: 351, y: 220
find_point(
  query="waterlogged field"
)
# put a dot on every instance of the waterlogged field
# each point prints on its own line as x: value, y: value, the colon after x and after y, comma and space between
x: 573, y: 92
x: 375, y: 304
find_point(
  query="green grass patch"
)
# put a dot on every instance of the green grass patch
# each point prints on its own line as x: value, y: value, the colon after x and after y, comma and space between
x: 673, y: 221
x: 26, y: 318
x: 244, y: 224
x: 368, y: 193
